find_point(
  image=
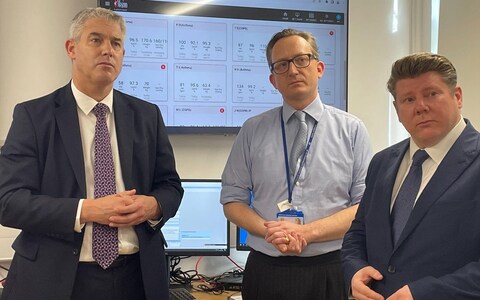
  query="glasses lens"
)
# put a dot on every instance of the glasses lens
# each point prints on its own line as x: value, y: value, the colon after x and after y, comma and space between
x: 302, y: 61
x: 280, y: 66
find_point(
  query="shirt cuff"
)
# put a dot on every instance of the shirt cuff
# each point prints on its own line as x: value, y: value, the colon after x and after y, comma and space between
x: 154, y: 223
x: 78, y: 226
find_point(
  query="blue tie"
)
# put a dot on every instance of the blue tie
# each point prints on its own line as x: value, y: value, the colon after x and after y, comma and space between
x: 408, y: 193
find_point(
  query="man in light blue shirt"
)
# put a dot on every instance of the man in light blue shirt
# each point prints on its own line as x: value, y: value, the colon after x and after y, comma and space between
x: 290, y: 260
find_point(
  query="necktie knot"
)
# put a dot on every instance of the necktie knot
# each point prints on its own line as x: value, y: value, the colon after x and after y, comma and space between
x: 100, y: 110
x: 300, y: 115
x: 419, y: 157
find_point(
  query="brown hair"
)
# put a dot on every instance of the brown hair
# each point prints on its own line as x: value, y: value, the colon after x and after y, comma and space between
x: 416, y: 64
x: 290, y: 32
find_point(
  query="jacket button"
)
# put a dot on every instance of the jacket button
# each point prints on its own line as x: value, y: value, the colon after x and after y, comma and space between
x: 391, y: 269
x: 75, y: 252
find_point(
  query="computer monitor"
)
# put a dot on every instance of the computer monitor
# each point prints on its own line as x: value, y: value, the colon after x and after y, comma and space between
x: 200, y: 227
x: 241, y: 243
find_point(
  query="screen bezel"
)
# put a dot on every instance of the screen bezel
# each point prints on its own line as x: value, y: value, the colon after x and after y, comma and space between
x: 201, y: 251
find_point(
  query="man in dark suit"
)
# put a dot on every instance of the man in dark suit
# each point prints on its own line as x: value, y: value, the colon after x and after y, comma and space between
x: 435, y: 254
x: 50, y: 179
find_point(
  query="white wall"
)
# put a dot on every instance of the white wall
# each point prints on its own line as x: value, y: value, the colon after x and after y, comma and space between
x: 459, y: 40
x: 33, y: 63
x: 372, y: 49
x: 32, y: 56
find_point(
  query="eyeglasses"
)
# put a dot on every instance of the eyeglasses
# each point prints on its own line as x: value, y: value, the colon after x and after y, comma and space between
x: 300, y: 61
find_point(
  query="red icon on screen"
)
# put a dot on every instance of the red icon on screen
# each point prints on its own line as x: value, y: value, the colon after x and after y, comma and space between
x: 163, y: 67
x: 222, y: 110
x: 332, y: 32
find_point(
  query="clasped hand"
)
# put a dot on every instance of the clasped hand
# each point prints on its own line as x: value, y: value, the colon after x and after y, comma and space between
x: 285, y: 236
x: 120, y: 210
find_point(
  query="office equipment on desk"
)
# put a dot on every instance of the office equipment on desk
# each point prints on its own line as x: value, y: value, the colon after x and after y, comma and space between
x: 180, y: 294
x: 231, y: 282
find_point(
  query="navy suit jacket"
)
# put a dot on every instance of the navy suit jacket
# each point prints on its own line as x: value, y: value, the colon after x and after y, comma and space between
x: 42, y: 178
x: 438, y: 252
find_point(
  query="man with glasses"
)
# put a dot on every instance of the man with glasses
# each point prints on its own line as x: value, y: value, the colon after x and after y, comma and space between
x: 293, y: 179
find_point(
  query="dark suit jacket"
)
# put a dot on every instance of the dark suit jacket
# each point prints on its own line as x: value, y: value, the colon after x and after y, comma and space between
x: 42, y: 178
x: 438, y: 252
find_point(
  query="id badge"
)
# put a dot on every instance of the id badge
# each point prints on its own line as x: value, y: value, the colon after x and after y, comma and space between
x: 291, y: 215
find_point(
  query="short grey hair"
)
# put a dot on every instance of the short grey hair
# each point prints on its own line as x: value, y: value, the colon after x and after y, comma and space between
x: 83, y: 16
x: 417, y: 64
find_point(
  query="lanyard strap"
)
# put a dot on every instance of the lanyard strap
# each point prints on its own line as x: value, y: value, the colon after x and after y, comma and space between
x: 291, y: 185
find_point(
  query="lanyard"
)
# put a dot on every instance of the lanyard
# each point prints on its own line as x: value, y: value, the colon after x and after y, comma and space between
x: 291, y: 185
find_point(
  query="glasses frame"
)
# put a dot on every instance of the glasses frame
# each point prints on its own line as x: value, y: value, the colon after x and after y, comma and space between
x: 292, y: 60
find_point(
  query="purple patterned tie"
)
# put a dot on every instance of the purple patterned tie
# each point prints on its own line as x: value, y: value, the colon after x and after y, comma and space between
x: 104, y: 238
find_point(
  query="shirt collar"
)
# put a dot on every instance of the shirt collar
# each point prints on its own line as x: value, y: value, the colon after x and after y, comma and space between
x: 314, y: 109
x: 438, y: 151
x: 87, y: 103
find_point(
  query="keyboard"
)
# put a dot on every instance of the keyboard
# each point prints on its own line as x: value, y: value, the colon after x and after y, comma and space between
x: 180, y: 294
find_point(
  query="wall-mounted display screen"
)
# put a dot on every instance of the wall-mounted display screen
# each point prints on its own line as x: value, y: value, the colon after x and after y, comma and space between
x: 203, y: 62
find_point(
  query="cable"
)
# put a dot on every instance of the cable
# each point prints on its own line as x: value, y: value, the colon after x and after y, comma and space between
x: 208, y: 284
x: 177, y: 276
x: 238, y: 266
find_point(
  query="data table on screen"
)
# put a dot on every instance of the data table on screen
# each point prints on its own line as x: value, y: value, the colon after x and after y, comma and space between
x: 205, y: 65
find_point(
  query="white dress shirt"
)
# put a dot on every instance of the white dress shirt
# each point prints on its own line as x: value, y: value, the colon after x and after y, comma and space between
x: 127, y: 238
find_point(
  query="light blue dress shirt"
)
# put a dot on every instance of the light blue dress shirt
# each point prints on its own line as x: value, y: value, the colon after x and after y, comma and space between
x: 333, y: 177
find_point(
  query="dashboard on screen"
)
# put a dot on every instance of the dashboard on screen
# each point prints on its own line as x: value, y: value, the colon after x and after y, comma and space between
x: 199, y: 227
x: 203, y: 62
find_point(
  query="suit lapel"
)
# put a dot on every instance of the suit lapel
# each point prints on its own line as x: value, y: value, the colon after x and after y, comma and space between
x: 68, y: 125
x: 391, y: 170
x: 124, y: 124
x: 458, y: 158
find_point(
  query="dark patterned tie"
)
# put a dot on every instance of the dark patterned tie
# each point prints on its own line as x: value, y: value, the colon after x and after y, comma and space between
x: 407, y: 194
x: 299, y: 144
x: 104, y: 238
